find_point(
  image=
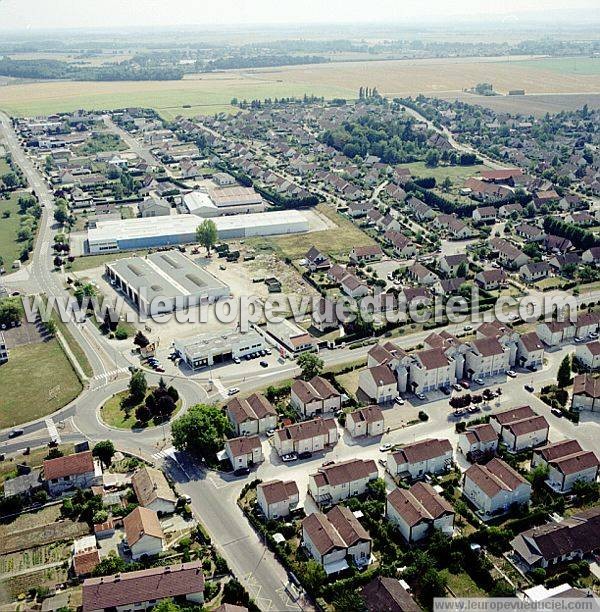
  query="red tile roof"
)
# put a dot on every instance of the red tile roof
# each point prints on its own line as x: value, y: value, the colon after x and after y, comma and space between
x: 70, y: 465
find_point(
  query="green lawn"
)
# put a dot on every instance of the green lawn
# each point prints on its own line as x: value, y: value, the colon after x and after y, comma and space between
x: 94, y: 261
x: 456, y: 173
x: 462, y: 585
x: 75, y: 348
x: 37, y: 380
x: 4, y: 167
x: 10, y: 249
x: 114, y: 414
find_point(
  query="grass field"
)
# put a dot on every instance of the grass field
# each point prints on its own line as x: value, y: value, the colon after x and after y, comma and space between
x: 211, y: 93
x: 336, y: 242
x: 114, y: 415
x: 575, y: 66
x: 10, y: 249
x: 456, y: 173
x: 94, y: 261
x: 37, y: 380
x: 462, y: 585
x: 8, y: 469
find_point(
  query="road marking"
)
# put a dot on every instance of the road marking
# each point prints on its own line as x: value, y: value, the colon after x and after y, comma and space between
x: 167, y: 453
x: 105, y: 376
x: 52, y: 431
x: 220, y: 388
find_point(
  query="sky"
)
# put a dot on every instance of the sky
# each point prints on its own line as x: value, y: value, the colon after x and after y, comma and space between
x: 50, y: 14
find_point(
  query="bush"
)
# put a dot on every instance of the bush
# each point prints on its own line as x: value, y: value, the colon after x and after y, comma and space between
x: 423, y: 416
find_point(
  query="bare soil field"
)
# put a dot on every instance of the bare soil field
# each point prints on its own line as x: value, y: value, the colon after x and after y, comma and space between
x: 211, y: 93
x: 532, y: 104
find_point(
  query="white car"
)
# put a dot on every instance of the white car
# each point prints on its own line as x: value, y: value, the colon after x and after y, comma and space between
x: 478, y: 381
x: 511, y: 374
x: 399, y: 401
x: 233, y: 391
x: 270, y: 433
x: 385, y: 447
x: 420, y: 396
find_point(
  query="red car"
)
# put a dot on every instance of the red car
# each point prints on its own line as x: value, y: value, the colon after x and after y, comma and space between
x: 464, y: 384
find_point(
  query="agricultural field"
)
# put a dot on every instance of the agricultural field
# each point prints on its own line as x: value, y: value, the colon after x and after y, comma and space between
x: 576, y: 66
x: 30, y: 393
x: 212, y: 93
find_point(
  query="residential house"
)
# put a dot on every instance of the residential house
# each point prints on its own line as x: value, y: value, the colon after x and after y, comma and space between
x: 451, y: 264
x: 491, y: 279
x: 587, y: 323
x: 508, y: 254
x: 244, y: 451
x: 530, y: 233
x: 567, y: 463
x: 431, y: 369
x: 142, y: 589
x: 333, y: 483
x: 353, y: 287
x: 558, y: 263
x: 591, y: 256
x: 554, y: 333
x: 365, y: 254
x: 485, y: 214
x: 545, y: 197
x: 77, y: 471
x: 417, y: 511
x: 366, y: 421
x: 251, y: 415
x: 422, y: 211
x: 487, y: 357
x: 508, y: 210
x: 277, y: 498
x: 334, y: 537
x: 478, y: 440
x: 312, y: 436
x: 534, y: 271
x: 557, y: 543
x: 413, y: 461
x: 403, y: 246
x: 494, y: 487
x: 389, y: 595
x: 589, y: 354
x: 315, y: 396
x: 378, y: 383
x: 586, y: 393
x: 153, y: 491
x: 154, y: 207
x: 143, y: 533
x: 327, y: 315
x: 530, y: 350
x: 421, y: 275
x: 315, y: 260
x: 520, y: 428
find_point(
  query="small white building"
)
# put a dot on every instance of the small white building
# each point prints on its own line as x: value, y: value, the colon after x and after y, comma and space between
x: 315, y: 397
x: 413, y: 461
x: 478, y: 439
x: 244, y: 451
x: 366, y: 421
x: 334, y: 537
x: 153, y: 491
x: 378, y: 383
x: 486, y: 358
x: 589, y: 354
x: 277, y: 498
x: 417, y: 511
x: 251, y: 415
x: 530, y: 350
x: 495, y: 487
x: 143, y: 533
x: 586, y: 393
x: 76, y: 471
x: 307, y: 436
x: 333, y: 483
x: 554, y: 333
x: 432, y: 369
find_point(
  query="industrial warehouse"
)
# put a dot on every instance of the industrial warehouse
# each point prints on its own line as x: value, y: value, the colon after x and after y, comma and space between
x: 225, y: 201
x: 151, y: 232
x: 209, y: 349
x: 164, y: 281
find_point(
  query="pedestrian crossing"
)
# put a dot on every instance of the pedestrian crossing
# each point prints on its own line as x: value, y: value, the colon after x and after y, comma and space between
x: 106, y: 376
x: 166, y: 453
x: 52, y: 431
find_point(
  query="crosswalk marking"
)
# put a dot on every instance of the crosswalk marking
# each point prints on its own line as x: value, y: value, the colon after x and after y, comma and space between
x: 219, y: 386
x: 166, y: 453
x: 107, y: 375
x: 52, y: 431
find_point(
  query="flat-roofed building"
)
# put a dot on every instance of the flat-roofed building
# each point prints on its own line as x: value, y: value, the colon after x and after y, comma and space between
x: 143, y: 233
x: 165, y: 281
x: 207, y: 349
x: 223, y: 201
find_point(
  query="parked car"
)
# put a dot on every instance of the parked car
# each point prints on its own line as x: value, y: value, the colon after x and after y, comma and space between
x: 385, y: 447
x: 421, y: 396
x: 243, y: 471
x: 305, y: 455
x: 465, y: 384
x: 289, y: 457
x: 15, y: 433
x: 264, y: 364
x: 472, y: 409
x: 478, y: 381
x: 557, y: 412
x: 529, y: 388
x: 270, y: 433
x: 233, y: 391
x: 399, y: 401
x: 511, y: 374
x: 237, y: 360
x: 532, y: 367
x: 457, y: 387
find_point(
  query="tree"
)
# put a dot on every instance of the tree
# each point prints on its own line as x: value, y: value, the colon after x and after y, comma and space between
x: 54, y: 453
x: 10, y: 180
x: 61, y: 214
x: 138, y: 386
x: 141, y: 340
x: 564, y: 372
x: 314, y: 576
x: 432, y: 158
x: 201, y: 431
x: 167, y: 605
x: 349, y: 601
x: 310, y: 364
x: 105, y: 451
x: 462, y: 269
x: 447, y: 184
x: 10, y: 311
x: 206, y: 234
